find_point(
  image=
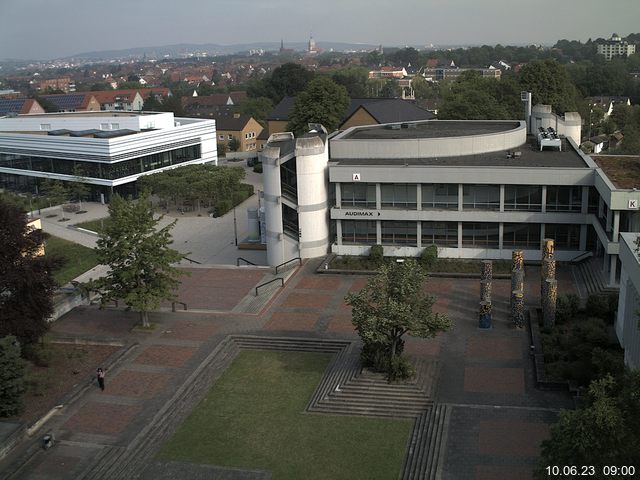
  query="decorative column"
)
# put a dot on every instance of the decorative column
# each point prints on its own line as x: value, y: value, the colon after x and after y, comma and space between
x: 486, y: 276
x: 516, y: 303
x: 549, y: 303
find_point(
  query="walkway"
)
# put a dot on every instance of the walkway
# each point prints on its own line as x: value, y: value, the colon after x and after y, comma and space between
x: 495, y: 417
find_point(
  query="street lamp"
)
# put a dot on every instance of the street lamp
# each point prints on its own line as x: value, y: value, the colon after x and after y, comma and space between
x: 235, y: 226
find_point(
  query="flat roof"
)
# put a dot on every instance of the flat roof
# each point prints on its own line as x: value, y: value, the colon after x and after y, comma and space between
x: 431, y: 129
x: 622, y: 170
x: 530, y: 156
x: 101, y: 113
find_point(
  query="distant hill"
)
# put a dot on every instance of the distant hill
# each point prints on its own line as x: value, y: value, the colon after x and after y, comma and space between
x: 211, y: 49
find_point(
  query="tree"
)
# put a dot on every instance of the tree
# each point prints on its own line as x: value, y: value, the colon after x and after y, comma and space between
x: 392, y: 304
x: 288, y: 80
x: 606, y: 431
x: 26, y: 281
x: 258, y: 108
x: 78, y: 188
x: 234, y: 144
x: 55, y: 191
x: 354, y: 79
x: 322, y: 102
x: 139, y: 257
x: 472, y: 97
x: 550, y: 84
x: 11, y: 377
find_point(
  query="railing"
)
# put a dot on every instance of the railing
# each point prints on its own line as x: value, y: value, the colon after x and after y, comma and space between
x: 244, y: 260
x: 581, y: 257
x: 289, y: 261
x: 173, y: 306
x: 193, y: 261
x: 270, y: 281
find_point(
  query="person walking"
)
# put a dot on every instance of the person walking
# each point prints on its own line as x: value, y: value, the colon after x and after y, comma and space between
x: 100, y: 375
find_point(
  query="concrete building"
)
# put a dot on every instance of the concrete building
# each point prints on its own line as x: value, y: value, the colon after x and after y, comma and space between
x: 626, y: 325
x: 615, y: 47
x: 112, y: 149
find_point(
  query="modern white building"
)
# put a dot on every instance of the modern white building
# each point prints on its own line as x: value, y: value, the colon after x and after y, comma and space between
x: 476, y: 189
x: 615, y: 47
x: 627, y: 327
x: 111, y: 149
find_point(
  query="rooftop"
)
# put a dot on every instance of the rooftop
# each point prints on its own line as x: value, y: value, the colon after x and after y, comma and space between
x: 622, y: 170
x: 530, y: 157
x: 431, y: 129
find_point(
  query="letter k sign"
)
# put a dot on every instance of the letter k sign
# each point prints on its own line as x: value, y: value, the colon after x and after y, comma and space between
x: 633, y: 204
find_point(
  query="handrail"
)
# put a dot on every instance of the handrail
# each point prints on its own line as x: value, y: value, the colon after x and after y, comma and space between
x: 173, y: 305
x: 244, y: 260
x: 288, y: 261
x: 270, y: 281
x: 193, y: 261
x: 581, y: 257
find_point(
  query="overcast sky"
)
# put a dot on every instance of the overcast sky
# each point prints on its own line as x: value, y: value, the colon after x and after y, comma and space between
x: 44, y: 29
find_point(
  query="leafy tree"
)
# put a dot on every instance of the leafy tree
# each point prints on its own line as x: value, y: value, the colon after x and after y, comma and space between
x: 392, y: 304
x: 234, y: 144
x: 390, y: 89
x: 288, y: 80
x: 78, y: 188
x: 606, y: 431
x: 152, y: 104
x: 354, y: 79
x: 472, y: 97
x: 322, y: 102
x: 424, y: 90
x: 26, y: 280
x: 550, y: 84
x: 141, y: 263
x: 55, y: 191
x: 11, y: 377
x: 258, y: 108
x: 222, y: 149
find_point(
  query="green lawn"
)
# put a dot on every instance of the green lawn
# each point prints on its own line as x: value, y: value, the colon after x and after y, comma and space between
x: 93, y: 225
x: 253, y: 417
x: 78, y: 258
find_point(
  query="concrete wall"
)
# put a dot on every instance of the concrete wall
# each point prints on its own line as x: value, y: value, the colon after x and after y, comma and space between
x: 86, y: 121
x: 276, y: 249
x: 629, y: 301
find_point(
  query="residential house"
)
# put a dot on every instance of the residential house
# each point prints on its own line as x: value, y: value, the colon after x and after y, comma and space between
x: 388, y: 72
x: 606, y: 103
x: 120, y: 100
x: 361, y: 111
x: 243, y: 128
x: 73, y: 102
x: 615, y: 47
x: 62, y: 83
x: 19, y: 106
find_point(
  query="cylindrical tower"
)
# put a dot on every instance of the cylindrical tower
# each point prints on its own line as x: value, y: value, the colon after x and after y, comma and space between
x: 312, y: 159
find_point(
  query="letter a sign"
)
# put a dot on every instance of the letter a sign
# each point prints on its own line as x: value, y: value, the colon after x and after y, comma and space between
x: 355, y: 177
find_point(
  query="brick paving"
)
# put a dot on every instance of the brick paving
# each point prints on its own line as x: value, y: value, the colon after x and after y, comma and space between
x: 102, y: 418
x: 497, y: 416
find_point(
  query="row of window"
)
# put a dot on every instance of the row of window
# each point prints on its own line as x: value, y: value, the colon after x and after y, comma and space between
x: 475, y: 197
x: 108, y: 171
x: 445, y: 234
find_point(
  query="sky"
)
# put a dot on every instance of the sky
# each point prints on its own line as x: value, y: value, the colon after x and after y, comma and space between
x: 46, y: 29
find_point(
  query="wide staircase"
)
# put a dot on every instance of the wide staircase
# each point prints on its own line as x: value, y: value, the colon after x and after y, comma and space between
x: 594, y: 281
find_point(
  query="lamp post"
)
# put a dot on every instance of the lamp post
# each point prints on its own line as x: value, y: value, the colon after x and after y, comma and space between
x: 235, y: 226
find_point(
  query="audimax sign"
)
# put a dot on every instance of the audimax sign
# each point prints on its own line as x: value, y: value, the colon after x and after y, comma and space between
x: 361, y: 213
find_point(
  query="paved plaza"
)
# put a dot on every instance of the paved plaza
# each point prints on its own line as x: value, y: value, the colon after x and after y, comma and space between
x: 484, y: 377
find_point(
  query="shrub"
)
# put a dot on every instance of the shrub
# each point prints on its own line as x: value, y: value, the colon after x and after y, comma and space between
x: 602, y: 306
x: 428, y: 256
x: 376, y: 255
x: 607, y: 362
x: 401, y: 369
x: 566, y: 308
x: 257, y: 168
x: 222, y: 207
x: 11, y: 377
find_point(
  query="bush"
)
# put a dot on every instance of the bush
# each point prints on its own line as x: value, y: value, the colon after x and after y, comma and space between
x: 428, y: 256
x: 257, y: 168
x: 40, y: 355
x: 603, y: 306
x: 376, y: 254
x: 222, y: 207
x: 11, y: 377
x: 607, y: 362
x: 401, y: 369
x: 567, y: 307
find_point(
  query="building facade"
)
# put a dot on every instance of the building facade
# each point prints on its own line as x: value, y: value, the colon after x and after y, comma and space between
x: 111, y: 149
x: 615, y: 47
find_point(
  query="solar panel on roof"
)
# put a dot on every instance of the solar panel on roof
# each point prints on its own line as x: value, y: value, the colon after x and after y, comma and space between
x: 11, y: 105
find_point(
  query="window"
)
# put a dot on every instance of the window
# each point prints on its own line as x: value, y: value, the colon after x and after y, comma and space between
x: 481, y: 197
x: 480, y: 235
x: 399, y: 195
x: 523, y: 198
x: 115, y: 126
x: 442, y: 234
x: 361, y: 195
x: 104, y: 126
x: 45, y: 126
x: 521, y: 235
x: 399, y: 233
x: 567, y: 237
x: 220, y: 137
x: 564, y: 199
x: 230, y: 137
x: 355, y: 232
x: 441, y: 196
